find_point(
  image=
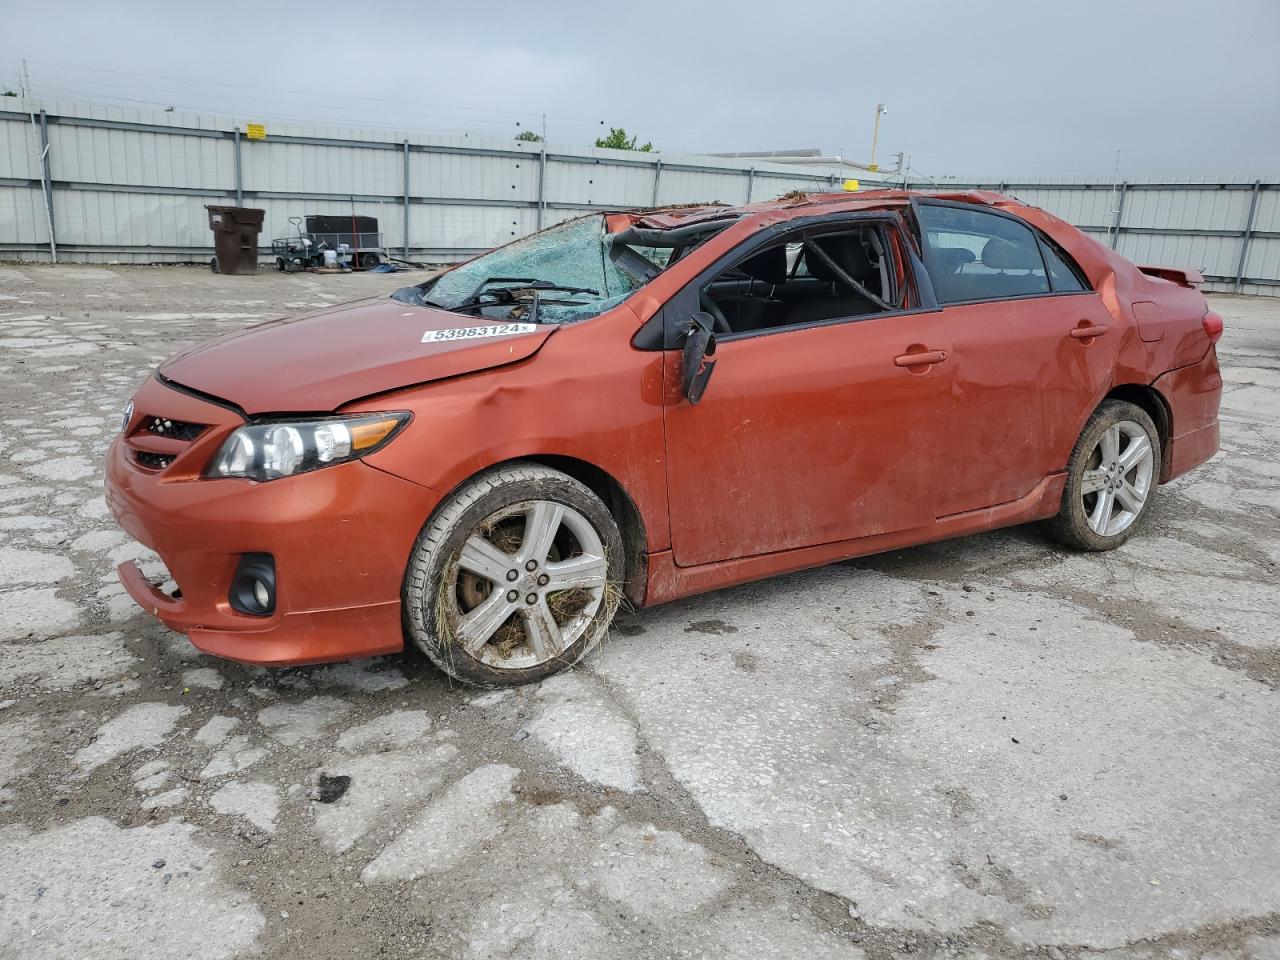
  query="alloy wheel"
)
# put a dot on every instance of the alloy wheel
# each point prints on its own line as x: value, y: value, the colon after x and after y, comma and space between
x: 1118, y: 478
x: 526, y: 584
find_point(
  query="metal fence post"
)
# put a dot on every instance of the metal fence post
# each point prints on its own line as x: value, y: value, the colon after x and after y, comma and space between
x: 1248, y: 235
x: 47, y: 184
x: 751, y: 179
x: 406, y: 199
x: 657, y: 176
x: 239, y: 182
x: 542, y: 184
x: 1115, y: 223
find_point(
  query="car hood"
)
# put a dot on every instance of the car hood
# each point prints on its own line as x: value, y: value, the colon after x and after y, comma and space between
x: 319, y: 361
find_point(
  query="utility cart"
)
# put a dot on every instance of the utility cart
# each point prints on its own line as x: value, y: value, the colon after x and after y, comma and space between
x: 359, y: 234
x: 298, y: 252
x: 348, y: 241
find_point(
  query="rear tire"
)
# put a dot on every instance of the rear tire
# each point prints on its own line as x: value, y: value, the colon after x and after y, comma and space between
x: 1112, y: 478
x: 213, y: 265
x: 514, y: 578
x: 369, y: 260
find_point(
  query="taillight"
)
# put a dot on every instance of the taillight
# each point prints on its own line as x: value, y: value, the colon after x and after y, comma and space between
x: 1213, y: 326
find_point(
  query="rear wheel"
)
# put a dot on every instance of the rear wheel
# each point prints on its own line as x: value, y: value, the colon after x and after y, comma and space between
x: 213, y: 265
x: 280, y: 264
x: 369, y: 260
x: 1111, y: 479
x: 514, y: 578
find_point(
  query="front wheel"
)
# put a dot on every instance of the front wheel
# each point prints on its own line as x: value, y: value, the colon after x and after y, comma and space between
x: 514, y: 578
x: 1111, y: 479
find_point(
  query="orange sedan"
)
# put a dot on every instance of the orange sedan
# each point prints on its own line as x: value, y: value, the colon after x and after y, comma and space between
x: 649, y: 405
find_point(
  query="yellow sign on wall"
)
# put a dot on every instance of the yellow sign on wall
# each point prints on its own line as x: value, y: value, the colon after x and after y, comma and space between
x: 255, y: 131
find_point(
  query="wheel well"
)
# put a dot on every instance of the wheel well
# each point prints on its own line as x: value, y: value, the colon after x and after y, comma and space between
x: 1157, y: 408
x: 623, y: 509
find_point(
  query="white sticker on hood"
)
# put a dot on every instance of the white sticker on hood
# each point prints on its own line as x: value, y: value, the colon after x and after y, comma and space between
x: 478, y: 333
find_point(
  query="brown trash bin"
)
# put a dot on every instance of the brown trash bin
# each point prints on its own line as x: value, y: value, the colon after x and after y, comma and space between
x: 235, y: 239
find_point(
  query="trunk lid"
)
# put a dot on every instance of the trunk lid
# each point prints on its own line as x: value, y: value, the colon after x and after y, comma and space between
x: 318, y: 362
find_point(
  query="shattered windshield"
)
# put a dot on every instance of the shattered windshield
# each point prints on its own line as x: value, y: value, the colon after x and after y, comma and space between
x: 559, y: 275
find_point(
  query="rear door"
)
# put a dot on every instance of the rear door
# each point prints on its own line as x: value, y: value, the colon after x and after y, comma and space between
x: 1033, y: 352
x: 807, y: 434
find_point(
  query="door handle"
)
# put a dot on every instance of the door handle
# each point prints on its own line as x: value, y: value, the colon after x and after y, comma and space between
x: 1087, y: 331
x: 924, y: 359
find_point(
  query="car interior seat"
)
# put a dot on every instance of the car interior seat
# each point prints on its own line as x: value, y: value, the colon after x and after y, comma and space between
x: 949, y: 280
x: 756, y: 307
x: 838, y: 300
x: 1003, y: 256
x: 953, y: 259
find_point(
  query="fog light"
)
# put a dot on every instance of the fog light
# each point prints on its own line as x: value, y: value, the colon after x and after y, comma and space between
x: 253, y: 588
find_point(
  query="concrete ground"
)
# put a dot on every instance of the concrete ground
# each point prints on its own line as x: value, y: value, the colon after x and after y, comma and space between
x: 983, y: 748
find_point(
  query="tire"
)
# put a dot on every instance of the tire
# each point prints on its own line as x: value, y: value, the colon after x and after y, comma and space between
x: 369, y: 260
x: 1109, y: 461
x: 213, y: 265
x: 280, y: 264
x: 467, y: 623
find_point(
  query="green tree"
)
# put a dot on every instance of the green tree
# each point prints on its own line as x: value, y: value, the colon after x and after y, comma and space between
x: 528, y: 136
x: 618, y: 140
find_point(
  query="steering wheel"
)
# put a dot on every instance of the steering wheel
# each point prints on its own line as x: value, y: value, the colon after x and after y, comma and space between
x: 709, y: 305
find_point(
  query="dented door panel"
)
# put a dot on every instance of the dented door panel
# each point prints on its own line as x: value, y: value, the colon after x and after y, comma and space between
x: 808, y: 436
x: 1025, y: 376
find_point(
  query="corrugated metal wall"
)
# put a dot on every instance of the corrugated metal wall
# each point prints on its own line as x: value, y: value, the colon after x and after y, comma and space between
x: 130, y: 185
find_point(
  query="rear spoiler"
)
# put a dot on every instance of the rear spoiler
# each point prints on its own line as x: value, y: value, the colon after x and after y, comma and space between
x: 1183, y: 277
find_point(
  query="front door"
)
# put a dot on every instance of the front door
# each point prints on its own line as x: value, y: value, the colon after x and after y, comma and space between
x: 808, y: 435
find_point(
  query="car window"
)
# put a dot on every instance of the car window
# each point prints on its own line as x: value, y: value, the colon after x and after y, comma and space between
x: 795, y: 261
x: 1063, y: 277
x: 818, y: 276
x: 975, y: 255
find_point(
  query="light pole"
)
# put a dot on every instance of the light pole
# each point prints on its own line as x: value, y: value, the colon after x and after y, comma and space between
x: 881, y: 110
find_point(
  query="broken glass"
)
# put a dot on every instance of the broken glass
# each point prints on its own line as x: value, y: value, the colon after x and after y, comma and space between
x: 571, y: 255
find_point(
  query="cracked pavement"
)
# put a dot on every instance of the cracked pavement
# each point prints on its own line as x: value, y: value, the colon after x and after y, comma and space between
x: 988, y: 747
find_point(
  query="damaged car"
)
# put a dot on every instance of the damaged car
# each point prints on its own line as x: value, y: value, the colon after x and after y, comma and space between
x: 634, y: 407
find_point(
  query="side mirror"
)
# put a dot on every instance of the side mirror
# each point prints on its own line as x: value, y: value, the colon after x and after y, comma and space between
x: 699, y: 346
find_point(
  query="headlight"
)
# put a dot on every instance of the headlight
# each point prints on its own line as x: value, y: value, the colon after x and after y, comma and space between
x: 128, y: 415
x: 268, y: 451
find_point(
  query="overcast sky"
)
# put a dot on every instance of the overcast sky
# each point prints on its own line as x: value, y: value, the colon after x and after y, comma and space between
x: 978, y: 87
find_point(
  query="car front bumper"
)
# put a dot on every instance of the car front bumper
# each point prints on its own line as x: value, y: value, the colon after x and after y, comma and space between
x: 340, y: 538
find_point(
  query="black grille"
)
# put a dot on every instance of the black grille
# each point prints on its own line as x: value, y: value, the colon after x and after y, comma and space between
x: 177, y: 429
x: 153, y: 461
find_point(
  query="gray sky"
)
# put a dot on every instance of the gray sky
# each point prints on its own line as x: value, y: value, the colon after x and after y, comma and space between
x: 987, y: 87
